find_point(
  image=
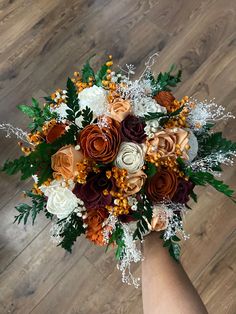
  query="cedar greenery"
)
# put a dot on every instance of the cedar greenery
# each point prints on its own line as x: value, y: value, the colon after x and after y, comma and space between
x: 73, y: 228
x: 203, y: 178
x: 165, y: 81
x: 87, y: 72
x: 101, y: 74
x: 213, y: 143
x: 38, y: 115
x: 117, y: 237
x: 38, y: 204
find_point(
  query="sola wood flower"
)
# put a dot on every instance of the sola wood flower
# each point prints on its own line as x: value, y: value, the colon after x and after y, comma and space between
x: 119, y: 109
x: 162, y: 185
x: 165, y: 99
x: 132, y: 129
x: 94, y: 220
x: 130, y: 157
x: 101, y: 141
x: 134, y: 182
x: 55, y: 132
x: 168, y: 143
x: 92, y: 192
x: 64, y: 161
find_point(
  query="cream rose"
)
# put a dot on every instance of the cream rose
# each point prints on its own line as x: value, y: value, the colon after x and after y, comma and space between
x: 95, y: 98
x: 61, y: 202
x: 135, y: 182
x: 130, y: 157
x: 64, y: 161
x: 169, y: 143
x: 119, y: 109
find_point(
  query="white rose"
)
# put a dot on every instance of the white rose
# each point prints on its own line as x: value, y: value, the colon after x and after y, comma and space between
x: 130, y: 156
x: 61, y: 202
x: 95, y: 98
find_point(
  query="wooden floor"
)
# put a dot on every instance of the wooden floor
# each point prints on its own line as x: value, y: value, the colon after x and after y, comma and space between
x: 44, y: 41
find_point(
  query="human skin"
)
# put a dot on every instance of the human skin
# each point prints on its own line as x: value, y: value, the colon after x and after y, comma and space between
x: 166, y: 288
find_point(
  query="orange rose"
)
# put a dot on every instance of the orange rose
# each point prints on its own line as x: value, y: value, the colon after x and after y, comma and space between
x: 165, y: 99
x: 101, y: 141
x: 64, y: 161
x: 55, y: 132
x: 135, y: 182
x: 169, y: 143
x: 119, y: 109
x: 94, y: 221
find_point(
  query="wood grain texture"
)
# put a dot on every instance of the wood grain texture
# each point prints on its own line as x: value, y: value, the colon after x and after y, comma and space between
x: 42, y: 42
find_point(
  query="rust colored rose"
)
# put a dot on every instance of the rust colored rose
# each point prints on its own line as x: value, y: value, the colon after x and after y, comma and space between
x: 55, y: 132
x: 135, y: 182
x: 64, y: 161
x: 119, y: 109
x: 165, y: 99
x: 169, y: 143
x: 94, y: 220
x: 162, y: 185
x: 101, y: 141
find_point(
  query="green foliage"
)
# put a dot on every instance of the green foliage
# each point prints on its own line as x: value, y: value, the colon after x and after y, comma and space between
x: 72, y: 101
x: 87, y: 72
x: 72, y: 229
x: 173, y: 247
x: 154, y: 116
x: 162, y: 117
x: 118, y: 238
x: 101, y: 75
x: 213, y: 143
x: 143, y: 215
x: 39, y: 160
x: 87, y: 114
x: 165, y: 81
x: 204, y: 178
x: 23, y: 165
x: 25, y: 210
x: 150, y: 169
x: 38, y: 115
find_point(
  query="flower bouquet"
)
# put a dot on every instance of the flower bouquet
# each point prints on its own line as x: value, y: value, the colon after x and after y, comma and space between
x: 114, y: 158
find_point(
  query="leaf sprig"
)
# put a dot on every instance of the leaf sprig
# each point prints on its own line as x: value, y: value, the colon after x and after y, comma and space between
x: 25, y: 210
x: 165, y: 81
x: 39, y: 115
x: 71, y: 231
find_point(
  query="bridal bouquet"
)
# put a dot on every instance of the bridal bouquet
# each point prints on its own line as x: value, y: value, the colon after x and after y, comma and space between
x: 114, y: 158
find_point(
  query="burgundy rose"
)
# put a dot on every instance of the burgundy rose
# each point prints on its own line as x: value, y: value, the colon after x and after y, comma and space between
x: 184, y: 188
x: 132, y: 129
x: 91, y: 193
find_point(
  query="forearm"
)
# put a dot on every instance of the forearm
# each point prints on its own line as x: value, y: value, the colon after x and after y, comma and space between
x: 165, y: 285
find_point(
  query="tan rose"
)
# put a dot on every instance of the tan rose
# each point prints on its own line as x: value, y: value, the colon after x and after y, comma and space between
x: 119, y: 109
x: 159, y: 221
x: 169, y: 143
x: 135, y: 182
x: 64, y: 161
